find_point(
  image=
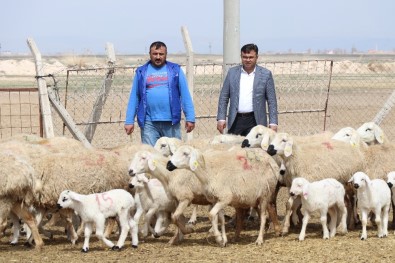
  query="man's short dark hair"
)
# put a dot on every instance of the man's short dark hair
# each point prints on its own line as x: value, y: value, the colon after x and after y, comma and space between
x: 157, y: 44
x: 249, y: 47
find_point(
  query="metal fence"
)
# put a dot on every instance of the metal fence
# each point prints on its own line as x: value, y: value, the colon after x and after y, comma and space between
x: 313, y: 96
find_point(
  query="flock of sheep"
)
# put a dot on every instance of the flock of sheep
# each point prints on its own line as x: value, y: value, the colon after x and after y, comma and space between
x: 339, y: 175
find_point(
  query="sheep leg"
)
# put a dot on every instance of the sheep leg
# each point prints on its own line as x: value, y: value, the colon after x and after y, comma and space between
x: 259, y: 240
x: 148, y: 219
x: 133, y: 229
x: 111, y: 223
x: 384, y: 218
x: 193, y: 218
x: 332, y: 223
x: 287, y: 217
x: 100, y: 222
x: 393, y: 214
x: 305, y: 220
x: 67, y: 215
x: 272, y: 211
x: 240, y: 215
x: 87, y: 234
x: 214, y: 221
x: 124, y: 223
x: 378, y: 220
x: 221, y: 217
x: 178, y: 236
x: 364, y: 215
x: 179, y: 211
x: 30, y: 220
x: 15, y: 228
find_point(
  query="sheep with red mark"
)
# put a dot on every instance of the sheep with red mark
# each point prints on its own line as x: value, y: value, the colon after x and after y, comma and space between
x: 95, y: 208
x: 241, y: 178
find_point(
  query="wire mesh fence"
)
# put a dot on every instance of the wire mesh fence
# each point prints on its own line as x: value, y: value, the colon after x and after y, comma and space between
x: 313, y: 95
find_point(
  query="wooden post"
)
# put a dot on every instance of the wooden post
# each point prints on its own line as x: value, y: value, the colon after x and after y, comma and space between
x: 385, y: 110
x: 46, y: 115
x: 68, y: 120
x: 101, y: 99
x: 189, y: 66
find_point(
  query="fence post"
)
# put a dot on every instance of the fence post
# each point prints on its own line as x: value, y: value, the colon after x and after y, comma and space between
x: 46, y: 115
x: 189, y: 66
x: 101, y: 99
x: 385, y: 109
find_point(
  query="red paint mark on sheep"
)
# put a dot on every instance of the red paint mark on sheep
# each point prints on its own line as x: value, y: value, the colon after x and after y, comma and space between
x: 328, y: 145
x: 104, y: 197
x: 246, y: 165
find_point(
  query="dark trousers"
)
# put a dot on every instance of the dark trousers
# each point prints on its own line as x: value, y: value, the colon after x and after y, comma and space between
x: 243, y: 124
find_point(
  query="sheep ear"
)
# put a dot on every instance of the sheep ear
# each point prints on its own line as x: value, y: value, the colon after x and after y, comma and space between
x: 265, y: 141
x: 194, y: 160
x: 305, y: 192
x: 152, y: 164
x: 378, y: 134
x: 351, y: 179
x: 74, y: 196
x: 355, y: 139
x: 288, y: 148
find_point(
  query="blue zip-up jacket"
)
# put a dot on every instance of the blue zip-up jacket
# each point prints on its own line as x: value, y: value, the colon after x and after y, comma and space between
x: 180, y: 98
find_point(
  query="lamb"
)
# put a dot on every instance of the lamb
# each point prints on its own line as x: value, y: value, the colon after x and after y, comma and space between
x: 180, y: 186
x: 325, y: 196
x: 96, y: 208
x: 249, y: 182
x: 373, y: 195
x: 153, y: 201
x: 314, y: 161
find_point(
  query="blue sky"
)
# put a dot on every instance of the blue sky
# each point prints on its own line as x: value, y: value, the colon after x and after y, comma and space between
x: 84, y: 26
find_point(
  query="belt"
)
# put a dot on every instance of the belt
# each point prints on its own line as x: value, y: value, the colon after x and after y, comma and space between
x: 245, y: 114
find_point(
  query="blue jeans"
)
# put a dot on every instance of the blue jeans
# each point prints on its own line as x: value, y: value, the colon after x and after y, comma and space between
x: 153, y: 130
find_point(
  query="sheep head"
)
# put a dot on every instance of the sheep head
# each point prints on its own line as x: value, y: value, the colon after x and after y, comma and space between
x: 143, y: 161
x: 348, y: 134
x: 257, y: 136
x: 186, y: 157
x: 281, y: 144
x: 391, y: 179
x: 67, y: 198
x: 299, y: 187
x: 371, y: 133
x: 167, y: 146
x: 360, y: 180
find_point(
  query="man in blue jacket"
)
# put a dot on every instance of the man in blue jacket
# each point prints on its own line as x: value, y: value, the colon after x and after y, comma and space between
x: 159, y: 93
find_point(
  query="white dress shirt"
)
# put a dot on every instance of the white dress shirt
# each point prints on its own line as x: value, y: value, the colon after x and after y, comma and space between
x: 246, y: 87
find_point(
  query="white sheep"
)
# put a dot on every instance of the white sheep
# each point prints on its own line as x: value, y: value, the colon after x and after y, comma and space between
x: 94, y: 209
x: 315, y: 161
x: 373, y: 195
x: 324, y: 196
x: 154, y: 202
x: 371, y: 133
x: 239, y: 178
x: 391, y: 184
x: 179, y: 185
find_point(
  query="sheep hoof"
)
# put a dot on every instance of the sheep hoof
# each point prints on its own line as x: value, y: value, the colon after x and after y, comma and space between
x: 156, y: 235
x: 115, y: 248
x: 134, y: 246
x: 84, y: 250
x: 27, y: 244
x: 362, y: 238
x: 13, y: 243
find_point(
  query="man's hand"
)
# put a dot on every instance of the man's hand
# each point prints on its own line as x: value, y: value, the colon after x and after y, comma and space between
x: 273, y: 127
x: 189, y: 126
x: 129, y: 128
x: 221, y: 125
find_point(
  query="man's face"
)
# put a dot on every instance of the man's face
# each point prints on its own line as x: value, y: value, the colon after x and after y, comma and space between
x: 158, y: 56
x: 249, y: 60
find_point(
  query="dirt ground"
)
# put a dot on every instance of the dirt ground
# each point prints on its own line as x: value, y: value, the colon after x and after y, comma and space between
x: 201, y: 246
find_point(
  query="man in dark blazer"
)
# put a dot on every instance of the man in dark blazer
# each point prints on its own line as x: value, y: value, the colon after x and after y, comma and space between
x: 247, y: 89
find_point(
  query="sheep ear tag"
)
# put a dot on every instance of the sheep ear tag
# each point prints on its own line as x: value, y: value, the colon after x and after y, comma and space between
x: 193, y: 163
x: 152, y: 164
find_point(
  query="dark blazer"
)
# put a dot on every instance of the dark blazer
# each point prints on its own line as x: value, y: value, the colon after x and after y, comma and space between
x: 263, y: 91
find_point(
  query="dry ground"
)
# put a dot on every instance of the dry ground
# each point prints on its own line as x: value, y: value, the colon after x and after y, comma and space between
x: 200, y: 246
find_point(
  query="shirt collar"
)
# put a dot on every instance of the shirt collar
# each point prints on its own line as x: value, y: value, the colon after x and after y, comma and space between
x: 243, y: 71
